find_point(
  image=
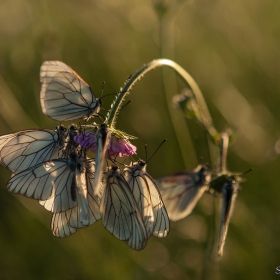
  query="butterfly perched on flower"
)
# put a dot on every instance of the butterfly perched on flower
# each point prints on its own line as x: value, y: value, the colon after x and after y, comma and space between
x: 64, y: 94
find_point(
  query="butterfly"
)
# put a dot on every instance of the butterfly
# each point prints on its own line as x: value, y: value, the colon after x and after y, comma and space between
x: 148, y: 199
x: 181, y: 191
x: 68, y: 222
x: 103, y: 136
x: 59, y: 185
x: 229, y: 194
x: 25, y: 149
x: 64, y: 94
x: 119, y: 211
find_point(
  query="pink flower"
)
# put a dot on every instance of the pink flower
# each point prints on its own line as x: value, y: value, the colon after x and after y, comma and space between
x: 120, y: 147
x: 117, y: 146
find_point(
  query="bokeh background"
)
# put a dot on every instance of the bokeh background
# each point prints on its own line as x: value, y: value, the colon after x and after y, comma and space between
x: 231, y: 48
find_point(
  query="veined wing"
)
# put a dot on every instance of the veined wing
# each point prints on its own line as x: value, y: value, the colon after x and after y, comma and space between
x: 64, y: 94
x: 142, y: 197
x: 148, y: 198
x: 181, y: 191
x: 119, y: 212
x: 50, y: 182
x: 229, y: 194
x: 66, y: 223
x: 103, y: 136
x: 24, y: 149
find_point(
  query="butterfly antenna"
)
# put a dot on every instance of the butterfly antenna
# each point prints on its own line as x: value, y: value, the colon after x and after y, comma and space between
x: 248, y: 171
x: 146, y: 152
x: 101, y: 117
x: 102, y: 89
x: 129, y: 101
x: 156, y: 150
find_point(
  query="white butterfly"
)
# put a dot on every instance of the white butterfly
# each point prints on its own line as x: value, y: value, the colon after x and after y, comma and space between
x: 24, y: 149
x: 181, y: 191
x: 66, y: 223
x: 148, y: 199
x: 64, y: 94
x: 229, y: 194
x: 103, y: 136
x: 119, y: 211
x: 59, y: 185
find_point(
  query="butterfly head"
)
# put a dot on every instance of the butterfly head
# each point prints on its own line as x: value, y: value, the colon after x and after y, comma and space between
x: 114, y: 167
x: 73, y: 130
x: 61, y: 128
x: 141, y: 163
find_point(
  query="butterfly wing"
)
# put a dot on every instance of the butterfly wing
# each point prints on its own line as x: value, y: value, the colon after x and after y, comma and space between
x: 181, y: 191
x: 142, y: 196
x: 22, y: 150
x: 64, y: 94
x: 161, y: 223
x: 49, y: 182
x: 148, y: 198
x: 229, y: 194
x: 66, y: 223
x: 120, y: 214
x: 103, y: 136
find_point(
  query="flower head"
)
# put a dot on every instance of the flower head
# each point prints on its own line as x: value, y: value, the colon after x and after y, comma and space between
x: 117, y: 147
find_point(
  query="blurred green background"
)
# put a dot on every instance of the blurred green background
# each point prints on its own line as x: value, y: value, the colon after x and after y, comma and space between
x: 231, y: 48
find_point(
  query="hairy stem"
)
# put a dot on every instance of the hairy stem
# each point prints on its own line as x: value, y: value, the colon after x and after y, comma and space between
x: 187, y: 78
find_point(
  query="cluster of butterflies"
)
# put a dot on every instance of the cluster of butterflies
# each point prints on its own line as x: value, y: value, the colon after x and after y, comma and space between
x: 49, y: 166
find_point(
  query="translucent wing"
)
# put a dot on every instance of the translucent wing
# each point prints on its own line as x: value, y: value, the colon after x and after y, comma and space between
x: 229, y: 194
x: 24, y: 149
x: 148, y: 199
x: 119, y: 212
x: 66, y: 223
x: 53, y: 183
x: 103, y: 136
x: 181, y: 191
x: 64, y: 94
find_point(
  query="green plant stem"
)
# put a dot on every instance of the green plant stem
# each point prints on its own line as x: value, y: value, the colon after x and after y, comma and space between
x: 187, y: 78
x: 223, y: 149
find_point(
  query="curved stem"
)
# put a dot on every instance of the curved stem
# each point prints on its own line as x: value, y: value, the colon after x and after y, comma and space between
x: 205, y: 115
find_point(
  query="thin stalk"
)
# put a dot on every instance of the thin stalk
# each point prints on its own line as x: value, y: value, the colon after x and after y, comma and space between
x: 166, y: 81
x: 187, y: 78
x: 223, y: 149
